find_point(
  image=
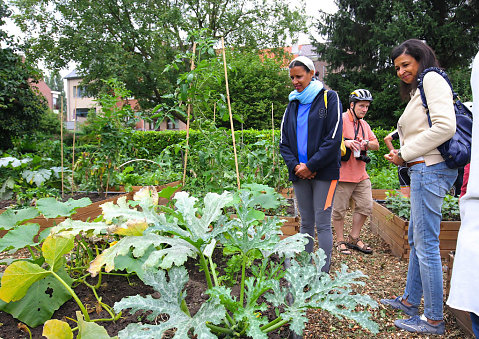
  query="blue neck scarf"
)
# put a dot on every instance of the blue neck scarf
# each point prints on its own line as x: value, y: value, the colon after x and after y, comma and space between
x: 308, y: 94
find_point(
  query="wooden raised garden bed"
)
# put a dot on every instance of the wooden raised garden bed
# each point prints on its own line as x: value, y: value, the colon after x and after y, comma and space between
x: 394, y: 231
x: 93, y: 210
x: 89, y: 212
x: 291, y: 223
x: 290, y: 226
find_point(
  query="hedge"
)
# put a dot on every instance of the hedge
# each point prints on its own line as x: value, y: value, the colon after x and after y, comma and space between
x: 149, y: 144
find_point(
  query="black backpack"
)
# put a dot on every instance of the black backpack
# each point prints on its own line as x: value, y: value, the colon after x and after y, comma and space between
x: 456, y: 151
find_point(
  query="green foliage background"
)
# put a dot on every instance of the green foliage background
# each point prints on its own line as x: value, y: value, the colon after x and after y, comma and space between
x: 359, y: 38
x: 20, y: 107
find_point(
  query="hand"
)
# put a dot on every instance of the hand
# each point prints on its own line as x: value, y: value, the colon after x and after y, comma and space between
x: 303, y: 172
x: 354, y: 145
x: 364, y: 144
x: 393, y: 157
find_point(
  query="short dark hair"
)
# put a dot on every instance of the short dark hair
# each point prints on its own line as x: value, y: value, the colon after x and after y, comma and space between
x: 300, y: 64
x: 423, y: 54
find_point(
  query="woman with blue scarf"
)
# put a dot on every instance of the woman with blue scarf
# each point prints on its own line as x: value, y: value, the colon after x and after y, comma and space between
x: 310, y: 143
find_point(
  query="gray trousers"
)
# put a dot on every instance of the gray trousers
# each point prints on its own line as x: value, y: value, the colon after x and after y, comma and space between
x: 311, y: 196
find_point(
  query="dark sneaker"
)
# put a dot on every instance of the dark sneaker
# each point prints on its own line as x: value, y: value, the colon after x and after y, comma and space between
x: 398, y: 305
x: 419, y: 324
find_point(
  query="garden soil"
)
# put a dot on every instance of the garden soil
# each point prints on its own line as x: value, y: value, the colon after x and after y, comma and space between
x: 387, y: 278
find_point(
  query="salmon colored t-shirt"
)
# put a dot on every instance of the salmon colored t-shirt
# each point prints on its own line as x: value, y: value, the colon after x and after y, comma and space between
x: 354, y: 170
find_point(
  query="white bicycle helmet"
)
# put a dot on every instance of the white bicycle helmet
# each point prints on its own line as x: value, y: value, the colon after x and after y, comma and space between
x: 360, y: 95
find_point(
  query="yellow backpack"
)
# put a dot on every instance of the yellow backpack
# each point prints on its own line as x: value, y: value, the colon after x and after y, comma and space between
x: 343, y: 146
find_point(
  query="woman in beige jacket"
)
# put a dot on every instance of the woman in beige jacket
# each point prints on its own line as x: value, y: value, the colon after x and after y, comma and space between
x: 431, y: 179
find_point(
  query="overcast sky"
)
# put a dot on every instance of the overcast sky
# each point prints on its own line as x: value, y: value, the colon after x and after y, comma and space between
x: 312, y: 9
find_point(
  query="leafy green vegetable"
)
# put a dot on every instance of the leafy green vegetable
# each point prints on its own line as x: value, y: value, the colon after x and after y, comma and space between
x: 172, y: 294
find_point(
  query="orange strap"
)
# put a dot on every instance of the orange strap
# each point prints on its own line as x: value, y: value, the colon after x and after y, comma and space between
x: 329, y: 198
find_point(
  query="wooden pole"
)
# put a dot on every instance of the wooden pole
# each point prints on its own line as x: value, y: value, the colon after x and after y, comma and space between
x: 229, y: 110
x: 74, y: 135
x: 188, y: 119
x: 61, y: 138
x: 214, y: 113
x: 272, y: 128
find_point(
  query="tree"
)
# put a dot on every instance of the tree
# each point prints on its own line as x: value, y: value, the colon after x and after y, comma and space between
x: 20, y: 107
x: 257, y: 80
x: 133, y: 40
x: 361, y: 35
x: 55, y: 81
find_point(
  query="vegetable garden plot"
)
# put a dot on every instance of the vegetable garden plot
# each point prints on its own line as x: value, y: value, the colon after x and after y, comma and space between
x: 393, y: 230
x: 146, y: 242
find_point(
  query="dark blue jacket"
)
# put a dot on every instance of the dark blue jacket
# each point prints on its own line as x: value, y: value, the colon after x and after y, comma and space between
x: 325, y: 129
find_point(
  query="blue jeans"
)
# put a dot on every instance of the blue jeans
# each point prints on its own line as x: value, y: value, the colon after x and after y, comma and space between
x: 475, y: 324
x: 429, y: 185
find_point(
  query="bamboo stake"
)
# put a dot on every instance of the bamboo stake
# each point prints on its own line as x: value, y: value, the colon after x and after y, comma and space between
x: 61, y: 138
x: 74, y: 135
x: 214, y: 113
x: 272, y: 125
x: 229, y: 110
x: 188, y: 120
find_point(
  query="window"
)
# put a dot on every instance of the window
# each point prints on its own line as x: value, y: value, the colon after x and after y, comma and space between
x: 78, y: 91
x: 81, y: 112
x: 172, y: 124
x: 56, y: 103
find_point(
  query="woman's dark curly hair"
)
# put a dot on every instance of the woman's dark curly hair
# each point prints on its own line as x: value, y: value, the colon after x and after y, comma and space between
x: 423, y: 54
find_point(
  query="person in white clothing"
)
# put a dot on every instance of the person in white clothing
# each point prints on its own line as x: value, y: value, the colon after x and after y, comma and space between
x: 465, y: 273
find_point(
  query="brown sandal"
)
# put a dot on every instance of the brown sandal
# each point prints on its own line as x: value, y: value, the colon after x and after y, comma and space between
x: 353, y: 243
x: 344, y: 250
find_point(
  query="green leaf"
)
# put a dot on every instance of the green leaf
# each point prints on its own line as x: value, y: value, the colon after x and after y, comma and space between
x: 213, y: 208
x: 171, y: 296
x: 54, y: 248
x: 131, y: 264
x: 6, y: 192
x: 44, y: 297
x: 37, y: 177
x: 52, y: 208
x: 19, y: 237
x: 57, y: 329
x: 289, y: 246
x: 17, y: 279
x: 168, y: 191
x: 90, y: 330
x: 14, y: 162
x: 311, y: 288
x: 10, y: 217
x: 71, y: 227
x: 177, y: 254
x: 121, y: 212
x: 263, y: 195
x: 245, y: 233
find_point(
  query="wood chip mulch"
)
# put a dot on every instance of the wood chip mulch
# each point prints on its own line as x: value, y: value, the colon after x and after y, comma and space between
x: 386, y: 279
